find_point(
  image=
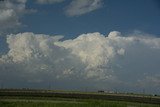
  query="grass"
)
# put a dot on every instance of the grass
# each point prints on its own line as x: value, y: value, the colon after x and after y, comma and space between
x: 68, y: 103
x: 46, y: 98
x: 128, y: 97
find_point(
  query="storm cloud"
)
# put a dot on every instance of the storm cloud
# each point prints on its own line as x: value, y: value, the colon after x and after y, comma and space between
x: 93, y: 60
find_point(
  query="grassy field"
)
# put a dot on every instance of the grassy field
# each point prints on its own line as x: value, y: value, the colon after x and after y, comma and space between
x: 49, y: 98
x: 68, y: 103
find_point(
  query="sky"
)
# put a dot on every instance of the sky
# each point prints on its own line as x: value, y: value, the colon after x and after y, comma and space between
x: 79, y: 44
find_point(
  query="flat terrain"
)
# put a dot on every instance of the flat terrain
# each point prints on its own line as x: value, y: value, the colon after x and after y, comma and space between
x: 50, y: 98
x: 69, y: 103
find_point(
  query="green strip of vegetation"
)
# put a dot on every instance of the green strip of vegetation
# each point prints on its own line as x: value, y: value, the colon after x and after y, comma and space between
x: 69, y: 103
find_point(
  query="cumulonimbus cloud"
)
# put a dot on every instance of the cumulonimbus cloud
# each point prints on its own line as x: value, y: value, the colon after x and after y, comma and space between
x: 93, y: 60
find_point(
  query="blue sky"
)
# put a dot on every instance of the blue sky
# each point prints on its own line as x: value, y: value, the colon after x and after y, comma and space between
x: 124, y: 15
x: 107, y: 44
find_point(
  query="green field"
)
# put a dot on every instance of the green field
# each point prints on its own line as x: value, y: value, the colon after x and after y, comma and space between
x: 68, y: 103
x: 51, y: 98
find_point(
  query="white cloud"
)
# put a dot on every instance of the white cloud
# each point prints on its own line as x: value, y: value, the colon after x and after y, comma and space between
x: 114, y: 61
x: 21, y: 1
x: 80, y: 7
x: 49, y: 1
x: 10, y: 13
x: 121, y: 51
x: 5, y: 14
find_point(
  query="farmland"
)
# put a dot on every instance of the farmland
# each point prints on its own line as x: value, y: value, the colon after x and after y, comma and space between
x: 50, y: 98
